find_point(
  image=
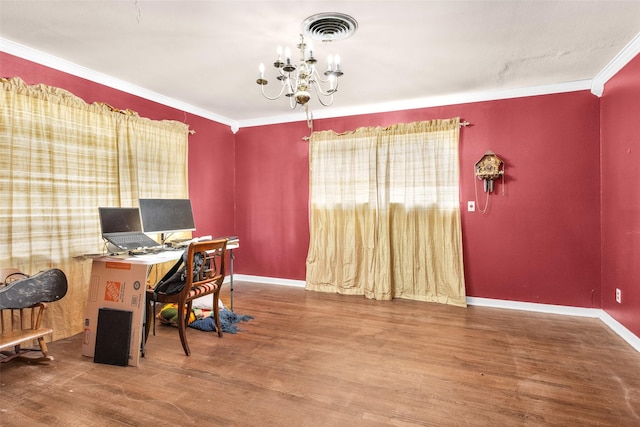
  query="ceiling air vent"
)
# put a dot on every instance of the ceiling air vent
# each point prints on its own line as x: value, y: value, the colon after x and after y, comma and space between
x: 329, y: 26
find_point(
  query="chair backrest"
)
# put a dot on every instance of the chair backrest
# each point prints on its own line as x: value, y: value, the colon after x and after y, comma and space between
x: 45, y: 286
x: 213, y: 266
x: 6, y: 272
x: 22, y: 297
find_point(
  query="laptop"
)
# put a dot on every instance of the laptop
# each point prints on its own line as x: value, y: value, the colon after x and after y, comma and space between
x: 122, y: 227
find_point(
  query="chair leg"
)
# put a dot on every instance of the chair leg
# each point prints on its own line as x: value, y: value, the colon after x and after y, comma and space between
x: 182, y: 326
x: 216, y: 312
x: 44, y: 349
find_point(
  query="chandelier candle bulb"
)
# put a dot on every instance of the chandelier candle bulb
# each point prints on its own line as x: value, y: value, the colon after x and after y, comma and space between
x: 337, y: 60
x: 261, y: 80
x: 310, y: 50
x: 289, y: 67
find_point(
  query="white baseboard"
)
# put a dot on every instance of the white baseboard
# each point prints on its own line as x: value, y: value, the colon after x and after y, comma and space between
x: 613, y: 324
x: 269, y: 280
x: 623, y: 332
x: 530, y: 306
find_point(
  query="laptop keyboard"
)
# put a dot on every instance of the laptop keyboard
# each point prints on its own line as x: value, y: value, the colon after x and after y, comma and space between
x: 127, y: 239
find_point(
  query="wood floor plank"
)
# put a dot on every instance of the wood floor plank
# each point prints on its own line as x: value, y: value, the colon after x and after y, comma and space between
x: 311, y: 359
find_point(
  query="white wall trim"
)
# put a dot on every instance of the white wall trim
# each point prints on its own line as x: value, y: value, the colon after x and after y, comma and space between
x: 535, y: 307
x: 597, y: 313
x: 620, y: 60
x: 56, y: 63
x: 596, y: 85
x: 613, y: 324
x: 435, y: 101
x: 623, y: 332
x: 269, y: 280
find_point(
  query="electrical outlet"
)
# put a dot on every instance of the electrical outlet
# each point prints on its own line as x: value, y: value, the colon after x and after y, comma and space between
x: 471, y: 206
x: 618, y: 296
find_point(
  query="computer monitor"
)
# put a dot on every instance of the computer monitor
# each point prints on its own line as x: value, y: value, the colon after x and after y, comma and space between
x: 119, y: 220
x: 165, y: 216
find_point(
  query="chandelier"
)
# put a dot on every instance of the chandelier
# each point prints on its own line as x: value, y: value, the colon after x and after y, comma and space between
x: 298, y: 81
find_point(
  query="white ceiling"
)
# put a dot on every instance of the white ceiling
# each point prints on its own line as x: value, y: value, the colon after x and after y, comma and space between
x: 202, y: 56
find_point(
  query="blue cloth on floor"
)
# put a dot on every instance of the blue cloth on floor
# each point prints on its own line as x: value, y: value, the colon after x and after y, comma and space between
x: 228, y: 321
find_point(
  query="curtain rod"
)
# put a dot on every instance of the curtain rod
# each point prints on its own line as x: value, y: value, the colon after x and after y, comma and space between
x: 462, y: 124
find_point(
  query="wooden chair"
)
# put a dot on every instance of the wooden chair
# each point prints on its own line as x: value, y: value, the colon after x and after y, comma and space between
x: 22, y: 306
x: 207, y: 282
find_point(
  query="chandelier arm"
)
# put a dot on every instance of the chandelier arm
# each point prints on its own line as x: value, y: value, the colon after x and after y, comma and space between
x: 328, y: 92
x: 319, y: 76
x: 289, y: 84
x: 320, y: 92
x: 320, y: 100
x: 272, y: 98
x: 320, y: 95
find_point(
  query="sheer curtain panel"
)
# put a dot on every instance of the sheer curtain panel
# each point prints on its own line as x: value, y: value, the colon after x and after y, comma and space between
x: 61, y: 158
x: 385, y: 213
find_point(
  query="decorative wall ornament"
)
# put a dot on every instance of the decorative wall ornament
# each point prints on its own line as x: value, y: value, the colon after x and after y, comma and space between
x: 489, y: 168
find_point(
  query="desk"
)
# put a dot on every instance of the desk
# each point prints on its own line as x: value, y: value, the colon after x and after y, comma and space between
x: 119, y: 282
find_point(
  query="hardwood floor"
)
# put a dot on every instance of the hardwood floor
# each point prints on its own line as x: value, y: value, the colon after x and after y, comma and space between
x: 313, y: 359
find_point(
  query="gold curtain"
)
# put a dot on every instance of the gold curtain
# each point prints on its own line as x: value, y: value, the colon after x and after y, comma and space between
x: 385, y: 213
x: 61, y: 158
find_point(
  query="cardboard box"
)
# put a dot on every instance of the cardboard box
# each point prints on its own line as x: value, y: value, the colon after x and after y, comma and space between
x: 116, y: 284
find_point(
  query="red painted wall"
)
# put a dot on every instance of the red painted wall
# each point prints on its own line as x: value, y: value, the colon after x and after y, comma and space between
x: 620, y: 110
x: 211, y: 148
x: 537, y: 243
x: 272, y: 192
x: 212, y: 177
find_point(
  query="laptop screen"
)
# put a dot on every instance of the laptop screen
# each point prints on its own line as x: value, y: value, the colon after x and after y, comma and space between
x: 119, y: 220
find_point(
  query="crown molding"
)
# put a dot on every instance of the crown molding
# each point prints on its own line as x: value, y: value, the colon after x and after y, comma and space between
x: 596, y: 86
x: 436, y: 101
x: 56, y: 63
x: 620, y: 60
